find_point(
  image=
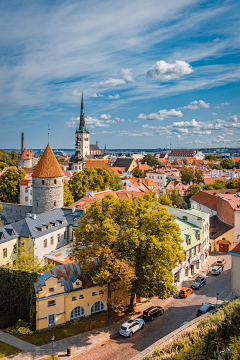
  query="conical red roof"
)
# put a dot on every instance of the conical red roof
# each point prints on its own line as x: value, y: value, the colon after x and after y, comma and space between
x: 48, y: 165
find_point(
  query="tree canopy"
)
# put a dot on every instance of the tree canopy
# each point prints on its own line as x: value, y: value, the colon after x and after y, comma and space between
x: 138, y: 173
x: 227, y: 163
x: 9, y: 158
x: 9, y: 185
x: 189, y: 175
x: 237, y: 164
x: 93, y: 179
x: 140, y: 234
x: 68, y: 198
x: 150, y: 160
x: 210, y: 157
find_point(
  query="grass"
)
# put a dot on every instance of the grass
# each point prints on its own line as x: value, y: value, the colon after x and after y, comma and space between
x: 6, y: 350
x: 71, y: 329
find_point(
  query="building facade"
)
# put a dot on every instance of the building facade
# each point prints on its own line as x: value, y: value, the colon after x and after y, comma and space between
x: 26, y: 158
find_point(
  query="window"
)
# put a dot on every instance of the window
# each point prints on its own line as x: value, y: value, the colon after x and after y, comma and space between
x: 51, y: 320
x: 37, y: 204
x: 184, y: 217
x: 42, y: 182
x: 65, y: 234
x: 97, y: 306
x: 45, y: 243
x: 176, y: 277
x: 51, y: 290
x: 54, y: 203
x: 197, y: 265
x: 26, y: 198
x: 14, y: 249
x: 51, y: 240
x: 26, y: 190
x: 101, y: 291
x: 77, y: 283
x: 4, y: 253
x: 94, y: 293
x: 74, y: 298
x: 81, y: 296
x: 77, y: 312
x: 51, y: 303
x: 186, y: 271
x: 55, y: 181
x: 58, y: 237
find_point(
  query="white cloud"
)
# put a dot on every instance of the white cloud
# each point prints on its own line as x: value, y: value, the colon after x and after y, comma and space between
x: 105, y: 116
x: 193, y: 123
x: 225, y: 103
x: 109, y: 83
x: 161, y: 115
x: 119, y: 119
x: 76, y: 93
x: 165, y: 72
x: 183, y: 131
x: 91, y: 122
x: 116, y: 96
x: 96, y: 95
x: 233, y: 118
x: 111, y: 122
x: 202, y: 132
x: 214, y: 114
x: 194, y: 105
x: 127, y: 75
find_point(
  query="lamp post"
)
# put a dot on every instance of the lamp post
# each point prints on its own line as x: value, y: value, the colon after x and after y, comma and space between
x: 53, y: 338
x: 217, y: 300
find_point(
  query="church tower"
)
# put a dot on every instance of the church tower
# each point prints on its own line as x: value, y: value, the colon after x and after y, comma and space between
x: 47, y: 183
x: 82, y: 136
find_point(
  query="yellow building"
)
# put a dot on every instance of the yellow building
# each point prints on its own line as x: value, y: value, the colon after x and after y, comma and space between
x: 222, y: 235
x: 63, y: 295
x: 8, y: 245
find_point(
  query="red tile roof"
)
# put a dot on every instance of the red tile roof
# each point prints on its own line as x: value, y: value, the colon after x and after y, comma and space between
x: 206, y: 199
x: 26, y: 154
x: 211, y: 180
x: 98, y: 163
x: 48, y: 166
x: 236, y: 248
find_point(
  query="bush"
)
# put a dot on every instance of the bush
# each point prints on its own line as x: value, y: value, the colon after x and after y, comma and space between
x: 21, y: 327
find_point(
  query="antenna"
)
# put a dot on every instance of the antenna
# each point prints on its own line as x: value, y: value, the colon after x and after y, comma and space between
x: 170, y: 145
x: 48, y: 133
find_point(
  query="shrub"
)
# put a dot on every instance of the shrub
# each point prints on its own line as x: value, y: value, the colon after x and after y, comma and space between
x: 21, y: 327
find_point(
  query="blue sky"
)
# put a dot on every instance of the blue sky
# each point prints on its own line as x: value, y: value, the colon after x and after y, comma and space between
x: 152, y: 72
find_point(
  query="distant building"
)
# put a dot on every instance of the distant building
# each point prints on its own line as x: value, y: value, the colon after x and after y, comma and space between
x: 26, y: 157
x: 125, y: 164
x: 182, y: 154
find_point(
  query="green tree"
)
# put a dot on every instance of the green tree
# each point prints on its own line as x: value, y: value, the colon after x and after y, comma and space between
x: 227, y: 163
x: 27, y: 261
x: 0, y: 215
x: 141, y: 232
x: 187, y: 176
x: 9, y: 185
x: 192, y: 190
x: 198, y: 176
x: 232, y: 184
x: 3, y: 165
x: 165, y: 200
x: 210, y: 158
x: 68, y: 198
x: 237, y: 164
x: 150, y: 160
x: 93, y: 179
x: 138, y: 173
x: 217, y: 185
x: 177, y: 199
x: 9, y: 158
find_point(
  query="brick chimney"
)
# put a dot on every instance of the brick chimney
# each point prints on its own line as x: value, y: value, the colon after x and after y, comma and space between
x: 22, y: 142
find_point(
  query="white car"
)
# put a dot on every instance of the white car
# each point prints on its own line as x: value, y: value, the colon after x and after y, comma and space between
x: 216, y: 270
x: 131, y: 326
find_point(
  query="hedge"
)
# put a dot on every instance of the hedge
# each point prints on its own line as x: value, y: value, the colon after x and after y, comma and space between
x: 17, y: 294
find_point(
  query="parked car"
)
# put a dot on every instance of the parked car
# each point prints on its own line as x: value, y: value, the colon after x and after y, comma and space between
x: 220, y: 262
x: 198, y: 282
x: 152, y: 312
x: 128, y: 328
x: 205, y: 308
x: 184, y: 292
x: 216, y: 270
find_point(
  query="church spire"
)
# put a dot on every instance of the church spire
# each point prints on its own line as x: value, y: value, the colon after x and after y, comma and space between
x: 82, y: 117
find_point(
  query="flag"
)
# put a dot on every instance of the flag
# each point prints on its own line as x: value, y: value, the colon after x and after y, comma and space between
x: 189, y: 260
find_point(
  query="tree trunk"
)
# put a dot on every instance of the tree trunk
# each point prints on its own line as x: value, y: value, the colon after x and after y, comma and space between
x: 130, y: 306
x: 109, y: 319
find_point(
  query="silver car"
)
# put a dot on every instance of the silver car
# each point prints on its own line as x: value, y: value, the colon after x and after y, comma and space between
x: 131, y: 326
x: 216, y: 270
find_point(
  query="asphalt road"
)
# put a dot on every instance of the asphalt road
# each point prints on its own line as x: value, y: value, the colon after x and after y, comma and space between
x: 177, y: 310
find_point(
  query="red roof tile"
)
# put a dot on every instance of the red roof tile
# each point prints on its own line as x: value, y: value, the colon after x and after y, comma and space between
x: 48, y: 166
x: 206, y: 199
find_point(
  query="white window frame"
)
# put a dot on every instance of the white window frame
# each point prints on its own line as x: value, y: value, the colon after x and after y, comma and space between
x: 77, y: 317
x: 95, y: 312
x: 55, y: 320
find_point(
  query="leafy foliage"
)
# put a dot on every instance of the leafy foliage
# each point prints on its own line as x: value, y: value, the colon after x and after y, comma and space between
x: 138, y: 173
x: 17, y: 293
x: 21, y: 327
x: 9, y: 158
x: 189, y: 175
x: 68, y: 198
x: 237, y: 164
x: 210, y: 157
x: 227, y: 163
x: 150, y: 160
x: 93, y: 179
x: 165, y: 200
x: 141, y: 233
x: 9, y: 185
x: 177, y: 199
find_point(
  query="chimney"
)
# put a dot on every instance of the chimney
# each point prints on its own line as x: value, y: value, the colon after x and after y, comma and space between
x: 22, y: 141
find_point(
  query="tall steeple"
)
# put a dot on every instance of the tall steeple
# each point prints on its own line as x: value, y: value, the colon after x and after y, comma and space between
x: 82, y: 126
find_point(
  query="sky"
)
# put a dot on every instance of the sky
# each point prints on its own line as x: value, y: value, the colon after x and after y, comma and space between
x: 152, y: 73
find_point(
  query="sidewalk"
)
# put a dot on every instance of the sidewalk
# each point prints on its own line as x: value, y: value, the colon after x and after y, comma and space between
x: 86, y: 341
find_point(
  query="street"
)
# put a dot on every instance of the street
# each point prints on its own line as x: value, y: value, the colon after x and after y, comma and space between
x: 177, y: 310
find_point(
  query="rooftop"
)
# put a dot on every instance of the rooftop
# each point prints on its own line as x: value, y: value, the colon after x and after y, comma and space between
x: 48, y: 166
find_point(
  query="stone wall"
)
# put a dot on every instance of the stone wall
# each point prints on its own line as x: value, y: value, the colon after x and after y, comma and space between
x: 47, y: 194
x: 15, y: 212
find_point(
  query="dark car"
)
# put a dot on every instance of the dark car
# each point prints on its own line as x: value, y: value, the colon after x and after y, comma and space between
x: 152, y: 312
x: 198, y: 282
x: 205, y: 308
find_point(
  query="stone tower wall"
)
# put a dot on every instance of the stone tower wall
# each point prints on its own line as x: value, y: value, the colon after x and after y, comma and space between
x: 47, y: 194
x: 25, y: 163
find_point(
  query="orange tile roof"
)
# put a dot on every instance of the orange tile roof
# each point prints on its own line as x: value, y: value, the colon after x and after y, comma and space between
x: 212, y: 180
x: 236, y: 159
x: 97, y: 163
x: 116, y: 170
x: 206, y: 199
x: 236, y: 248
x: 48, y: 166
x: 25, y: 182
x: 142, y: 167
x: 26, y: 154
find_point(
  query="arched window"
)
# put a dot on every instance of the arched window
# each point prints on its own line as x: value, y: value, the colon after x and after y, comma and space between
x: 77, y: 312
x: 97, y: 306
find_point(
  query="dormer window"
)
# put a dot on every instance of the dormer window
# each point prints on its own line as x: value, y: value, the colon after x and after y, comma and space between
x: 42, y: 182
x: 184, y: 218
x: 51, y: 290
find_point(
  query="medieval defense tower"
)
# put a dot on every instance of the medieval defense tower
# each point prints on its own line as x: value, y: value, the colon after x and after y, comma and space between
x: 47, y: 183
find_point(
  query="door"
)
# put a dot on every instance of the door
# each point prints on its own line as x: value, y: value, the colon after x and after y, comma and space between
x: 192, y: 269
x: 138, y: 298
x: 223, y: 248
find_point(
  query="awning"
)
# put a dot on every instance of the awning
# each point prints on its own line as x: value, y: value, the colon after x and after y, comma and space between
x: 223, y: 242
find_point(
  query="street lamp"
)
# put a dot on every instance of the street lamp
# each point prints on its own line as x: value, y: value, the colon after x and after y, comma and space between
x: 53, y: 338
x: 217, y: 300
